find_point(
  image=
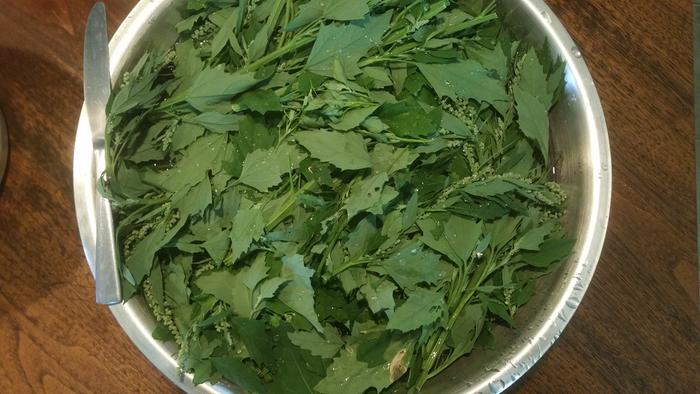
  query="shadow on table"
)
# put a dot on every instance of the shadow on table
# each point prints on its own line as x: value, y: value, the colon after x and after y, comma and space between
x: 40, y: 101
x: 4, y: 161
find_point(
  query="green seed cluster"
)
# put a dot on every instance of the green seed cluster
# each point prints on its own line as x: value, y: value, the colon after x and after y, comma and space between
x: 202, y: 35
x: 163, y: 314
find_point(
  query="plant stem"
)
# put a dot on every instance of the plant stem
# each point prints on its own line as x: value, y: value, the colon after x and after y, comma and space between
x: 435, y: 8
x: 483, y: 18
x: 436, y: 343
x: 274, y: 55
x: 283, y: 211
x: 337, y: 229
x: 289, y: 8
x: 389, y: 56
x: 348, y: 265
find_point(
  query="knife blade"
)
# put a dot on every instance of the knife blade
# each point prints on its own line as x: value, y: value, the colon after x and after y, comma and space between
x: 97, y: 88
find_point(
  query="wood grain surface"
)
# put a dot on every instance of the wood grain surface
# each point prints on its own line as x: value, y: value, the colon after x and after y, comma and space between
x: 637, y: 329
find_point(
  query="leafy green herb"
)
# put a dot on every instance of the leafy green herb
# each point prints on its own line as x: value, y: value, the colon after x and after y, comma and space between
x: 347, y: 151
x: 339, y: 10
x: 423, y: 307
x: 348, y: 375
x: 464, y: 80
x: 344, y: 45
x: 333, y: 196
x: 325, y: 347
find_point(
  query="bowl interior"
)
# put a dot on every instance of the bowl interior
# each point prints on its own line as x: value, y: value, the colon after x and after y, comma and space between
x: 581, y: 154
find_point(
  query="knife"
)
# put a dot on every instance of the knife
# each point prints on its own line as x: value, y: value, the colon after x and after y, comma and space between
x: 97, y: 87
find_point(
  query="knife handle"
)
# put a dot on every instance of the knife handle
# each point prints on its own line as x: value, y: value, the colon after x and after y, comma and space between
x: 107, y: 282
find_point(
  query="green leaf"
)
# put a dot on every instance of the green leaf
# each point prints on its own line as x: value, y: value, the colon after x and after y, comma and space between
x: 487, y: 210
x: 411, y: 213
x: 140, y: 261
x: 260, y: 101
x: 346, y: 151
x: 225, y: 34
x: 346, y: 44
x: 339, y: 10
x: 497, y: 308
x: 194, y: 200
x: 464, y: 80
x: 256, y: 48
x: 298, y: 294
x: 391, y: 229
x: 243, y: 7
x: 352, y: 278
x: 556, y: 81
x: 423, y: 307
x: 407, y: 118
x: 176, y: 287
x: 234, y: 370
x: 503, y: 230
x: 489, y: 188
x: 141, y: 91
x: 364, y: 239
x: 551, y: 251
x: 218, y: 246
x: 188, y: 23
x: 353, y: 118
x: 254, y: 335
x: 162, y: 333
x: 255, y: 274
x: 347, y: 375
x: 200, y: 349
x: 218, y: 122
x: 332, y: 304
x: 325, y: 346
x: 533, y: 79
x: 380, y: 76
x: 399, y: 73
x: 253, y: 134
x: 379, y: 294
x: 467, y: 328
x: 532, y: 239
x: 263, y: 169
x: 412, y: 265
x: 374, y: 125
x: 390, y: 159
x: 456, y: 240
x: 533, y: 119
x: 213, y: 85
x: 296, y: 370
x: 244, y: 291
x: 370, y: 194
x: 151, y: 149
x: 491, y: 59
x: 309, y: 82
x: 452, y: 124
x: 219, y: 284
x: 267, y: 290
x: 203, y: 155
x: 184, y: 135
x: 260, y: 170
x: 248, y: 226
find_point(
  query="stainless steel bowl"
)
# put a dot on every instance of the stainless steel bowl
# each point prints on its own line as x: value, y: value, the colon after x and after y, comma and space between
x: 581, y: 147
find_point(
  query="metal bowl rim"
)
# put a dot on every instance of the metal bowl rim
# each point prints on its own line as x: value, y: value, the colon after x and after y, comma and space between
x: 527, y: 354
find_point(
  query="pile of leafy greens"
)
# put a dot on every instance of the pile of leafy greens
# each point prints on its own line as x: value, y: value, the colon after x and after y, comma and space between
x: 334, y: 196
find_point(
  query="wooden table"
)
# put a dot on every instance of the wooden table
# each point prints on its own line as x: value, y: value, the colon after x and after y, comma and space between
x: 637, y: 330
